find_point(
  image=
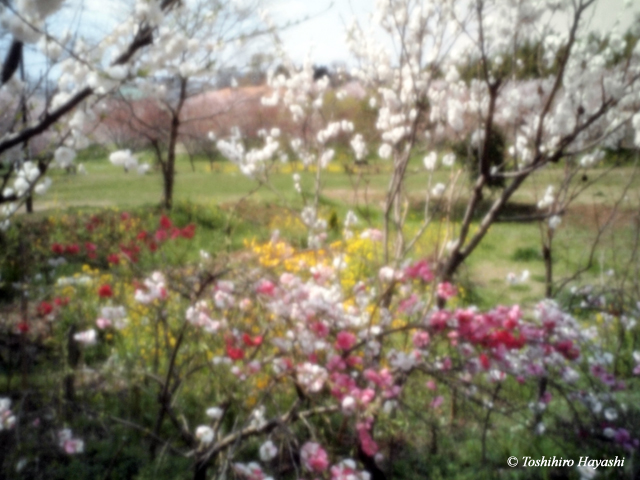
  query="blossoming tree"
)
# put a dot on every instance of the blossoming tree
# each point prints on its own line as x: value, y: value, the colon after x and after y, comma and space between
x: 305, y: 357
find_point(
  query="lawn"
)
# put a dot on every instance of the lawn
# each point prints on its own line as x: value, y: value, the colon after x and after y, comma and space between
x: 510, y: 247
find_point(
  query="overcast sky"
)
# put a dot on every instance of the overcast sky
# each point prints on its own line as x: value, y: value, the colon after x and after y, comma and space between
x: 323, y: 34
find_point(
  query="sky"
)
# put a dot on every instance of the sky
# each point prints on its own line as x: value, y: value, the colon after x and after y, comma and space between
x: 324, y: 32
x: 320, y: 33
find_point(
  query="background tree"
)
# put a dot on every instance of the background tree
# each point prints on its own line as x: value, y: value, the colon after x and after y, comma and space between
x: 203, y: 38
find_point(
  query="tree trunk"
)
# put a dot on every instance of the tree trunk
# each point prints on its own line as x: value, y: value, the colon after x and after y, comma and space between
x: 169, y: 171
x: 548, y: 270
x: 200, y: 471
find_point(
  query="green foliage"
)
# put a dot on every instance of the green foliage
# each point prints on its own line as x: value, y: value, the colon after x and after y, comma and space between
x: 470, y: 155
x: 526, y: 254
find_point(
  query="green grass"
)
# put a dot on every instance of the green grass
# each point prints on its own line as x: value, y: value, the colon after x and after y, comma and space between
x: 508, y: 247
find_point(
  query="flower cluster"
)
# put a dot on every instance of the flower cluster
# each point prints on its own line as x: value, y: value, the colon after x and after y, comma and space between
x: 7, y: 419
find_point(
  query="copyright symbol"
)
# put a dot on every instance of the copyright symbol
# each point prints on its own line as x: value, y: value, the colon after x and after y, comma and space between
x: 512, y: 461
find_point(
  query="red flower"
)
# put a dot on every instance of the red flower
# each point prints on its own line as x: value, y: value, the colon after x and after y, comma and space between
x: 61, y: 301
x: 44, y: 309
x: 165, y: 222
x: 57, y: 249
x: 235, y: 353
x: 105, y: 291
x: 567, y: 349
x: 251, y: 342
x: 124, y: 216
x: 23, y: 327
x: 90, y: 248
x: 72, y: 249
x: 484, y: 361
x: 131, y: 252
x: 161, y: 235
x: 113, y: 259
x: 142, y: 235
x: 189, y: 231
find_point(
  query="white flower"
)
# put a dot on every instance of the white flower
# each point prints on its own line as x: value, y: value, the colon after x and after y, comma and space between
x: 385, y: 151
x: 438, y: 190
x: 548, y: 198
x: 118, y: 72
x: 42, y: 187
x: 455, y: 115
x: 88, y: 337
x: 204, y: 434
x: 359, y: 146
x: 448, y: 160
x: 554, y: 222
x: 348, y: 405
x: 430, y: 161
x: 312, y: 376
x: 64, y: 157
x: 123, y: 158
x: 326, y: 157
x: 610, y: 414
x: 20, y: 185
x: 386, y: 274
x: 7, y: 419
x: 268, y: 451
x: 586, y: 472
x: 591, y: 159
x: 214, y: 413
x: 296, y: 182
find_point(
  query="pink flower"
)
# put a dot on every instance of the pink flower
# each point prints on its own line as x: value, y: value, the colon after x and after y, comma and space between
x: 436, y: 402
x: 103, y: 323
x: 367, y: 395
x: 446, y: 290
x: 74, y: 446
x: 336, y: 363
x: 369, y: 446
x: 408, y: 305
x: 419, y: 270
x: 372, y: 234
x: 346, y: 470
x: 320, y: 329
x: 69, y: 444
x: 266, y: 287
x: 345, y: 340
x: 421, y: 339
x: 314, y: 457
x: 431, y: 385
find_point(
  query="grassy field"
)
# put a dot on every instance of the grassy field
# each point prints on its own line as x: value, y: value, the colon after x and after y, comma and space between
x: 509, y: 247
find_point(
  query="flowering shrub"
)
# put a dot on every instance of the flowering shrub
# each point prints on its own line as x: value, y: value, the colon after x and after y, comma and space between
x: 293, y: 336
x: 303, y: 359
